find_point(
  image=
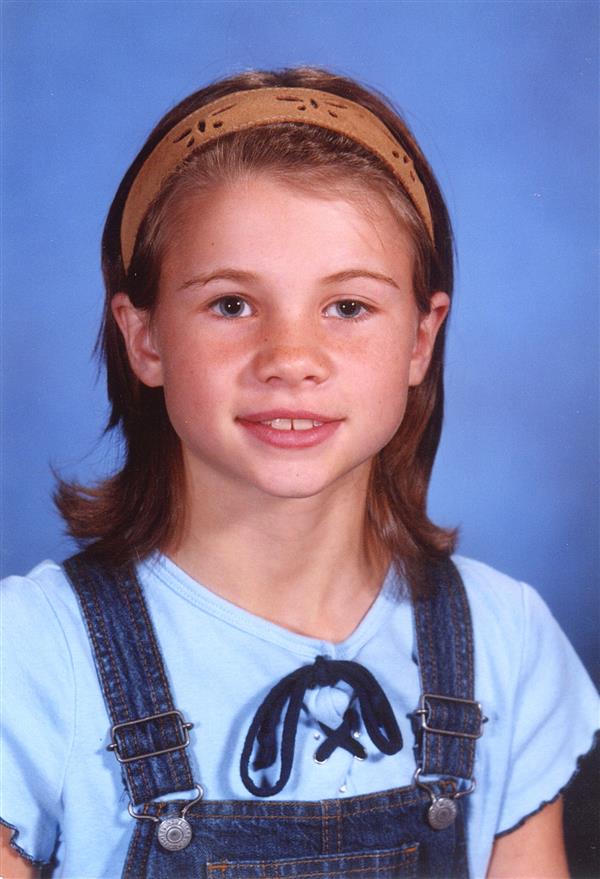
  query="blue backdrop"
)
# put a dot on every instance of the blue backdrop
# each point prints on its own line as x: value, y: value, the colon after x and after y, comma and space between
x: 503, y: 97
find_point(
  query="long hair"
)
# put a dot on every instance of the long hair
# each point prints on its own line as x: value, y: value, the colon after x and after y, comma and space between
x: 140, y: 508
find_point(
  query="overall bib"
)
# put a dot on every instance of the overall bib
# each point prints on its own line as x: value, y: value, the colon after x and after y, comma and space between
x: 413, y: 831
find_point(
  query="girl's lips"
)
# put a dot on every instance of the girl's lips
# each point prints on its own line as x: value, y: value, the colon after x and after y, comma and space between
x: 273, y: 414
x: 289, y: 430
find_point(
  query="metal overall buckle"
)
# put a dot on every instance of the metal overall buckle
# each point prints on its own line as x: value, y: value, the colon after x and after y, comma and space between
x: 443, y: 810
x: 174, y: 832
x: 424, y: 712
x: 183, y: 729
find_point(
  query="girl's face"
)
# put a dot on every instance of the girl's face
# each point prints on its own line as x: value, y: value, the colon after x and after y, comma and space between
x: 285, y: 337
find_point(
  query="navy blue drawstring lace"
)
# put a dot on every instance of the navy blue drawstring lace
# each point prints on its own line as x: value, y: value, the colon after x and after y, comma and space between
x: 375, y: 709
x: 342, y: 737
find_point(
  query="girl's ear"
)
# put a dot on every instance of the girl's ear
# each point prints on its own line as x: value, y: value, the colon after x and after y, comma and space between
x: 136, y: 328
x: 429, y: 325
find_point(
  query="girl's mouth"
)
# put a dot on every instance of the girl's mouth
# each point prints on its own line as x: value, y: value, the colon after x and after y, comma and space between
x: 287, y: 430
x: 292, y: 423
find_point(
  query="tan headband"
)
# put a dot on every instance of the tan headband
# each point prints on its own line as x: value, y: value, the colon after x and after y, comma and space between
x: 252, y: 109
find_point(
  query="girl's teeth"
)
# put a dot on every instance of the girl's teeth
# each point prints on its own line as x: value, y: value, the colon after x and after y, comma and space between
x: 293, y: 423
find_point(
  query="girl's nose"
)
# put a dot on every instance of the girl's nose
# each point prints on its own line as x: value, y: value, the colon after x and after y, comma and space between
x: 292, y: 356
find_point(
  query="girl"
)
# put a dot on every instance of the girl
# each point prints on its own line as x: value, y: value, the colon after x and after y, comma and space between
x: 264, y: 663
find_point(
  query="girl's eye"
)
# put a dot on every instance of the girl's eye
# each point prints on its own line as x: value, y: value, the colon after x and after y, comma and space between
x: 231, y: 306
x: 347, y: 308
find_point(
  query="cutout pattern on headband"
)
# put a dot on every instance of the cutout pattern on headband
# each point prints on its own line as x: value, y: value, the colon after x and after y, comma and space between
x: 252, y: 109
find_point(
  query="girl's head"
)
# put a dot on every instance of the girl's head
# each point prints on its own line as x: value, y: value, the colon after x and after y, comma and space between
x: 142, y: 507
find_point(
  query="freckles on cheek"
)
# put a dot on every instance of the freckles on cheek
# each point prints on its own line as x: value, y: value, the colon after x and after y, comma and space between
x: 179, y: 371
x: 387, y: 378
x: 195, y: 376
x: 388, y: 395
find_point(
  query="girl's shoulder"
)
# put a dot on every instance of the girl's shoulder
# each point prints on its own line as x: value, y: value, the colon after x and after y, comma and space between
x: 541, y: 704
x: 44, y: 578
x: 40, y: 600
x: 487, y: 586
x: 41, y: 605
x: 500, y: 603
x: 517, y: 638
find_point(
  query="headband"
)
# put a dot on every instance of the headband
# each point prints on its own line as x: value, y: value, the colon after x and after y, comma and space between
x: 251, y: 109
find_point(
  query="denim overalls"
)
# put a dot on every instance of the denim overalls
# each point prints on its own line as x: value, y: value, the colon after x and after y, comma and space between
x: 414, y: 831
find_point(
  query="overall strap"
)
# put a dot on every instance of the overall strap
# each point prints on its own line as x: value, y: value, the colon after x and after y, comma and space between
x: 148, y: 734
x: 450, y: 720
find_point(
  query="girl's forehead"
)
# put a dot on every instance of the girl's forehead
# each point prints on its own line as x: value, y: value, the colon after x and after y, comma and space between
x: 265, y: 197
x: 266, y: 218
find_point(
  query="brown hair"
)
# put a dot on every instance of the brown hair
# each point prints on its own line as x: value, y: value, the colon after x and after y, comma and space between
x: 140, y: 508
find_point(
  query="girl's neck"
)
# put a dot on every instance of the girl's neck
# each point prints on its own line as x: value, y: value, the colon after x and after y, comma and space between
x: 303, y: 564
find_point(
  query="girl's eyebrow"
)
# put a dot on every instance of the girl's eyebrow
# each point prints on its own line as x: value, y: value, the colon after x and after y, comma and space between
x: 244, y: 276
x: 217, y: 275
x: 351, y: 274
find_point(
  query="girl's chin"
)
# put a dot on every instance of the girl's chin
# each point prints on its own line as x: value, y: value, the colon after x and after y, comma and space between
x: 294, y: 484
x: 283, y: 480
x: 294, y: 489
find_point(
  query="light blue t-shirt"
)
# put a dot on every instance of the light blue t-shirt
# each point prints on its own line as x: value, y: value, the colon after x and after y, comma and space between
x: 61, y: 787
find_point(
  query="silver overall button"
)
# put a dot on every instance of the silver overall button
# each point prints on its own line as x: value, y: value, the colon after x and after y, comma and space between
x: 442, y: 813
x: 174, y: 834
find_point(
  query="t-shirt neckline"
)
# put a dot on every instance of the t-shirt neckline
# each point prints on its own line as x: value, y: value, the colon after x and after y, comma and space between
x: 168, y: 573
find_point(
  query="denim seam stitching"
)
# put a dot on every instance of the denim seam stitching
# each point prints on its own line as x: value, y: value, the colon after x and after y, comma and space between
x: 383, y: 861
x: 178, y: 769
x: 156, y: 699
x: 117, y: 677
x: 382, y: 808
x: 468, y: 744
x: 90, y: 602
x: 457, y: 683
